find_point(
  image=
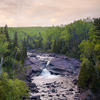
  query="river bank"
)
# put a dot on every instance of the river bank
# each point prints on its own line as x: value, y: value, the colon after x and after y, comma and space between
x: 62, y: 86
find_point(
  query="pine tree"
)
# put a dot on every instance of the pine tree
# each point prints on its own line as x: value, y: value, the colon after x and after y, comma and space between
x: 6, y: 32
x: 23, y: 51
x: 15, y: 43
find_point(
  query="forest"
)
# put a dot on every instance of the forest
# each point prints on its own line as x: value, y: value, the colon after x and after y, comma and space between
x: 80, y: 39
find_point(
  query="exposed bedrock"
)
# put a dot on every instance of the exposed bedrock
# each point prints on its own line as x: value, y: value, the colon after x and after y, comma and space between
x: 59, y: 65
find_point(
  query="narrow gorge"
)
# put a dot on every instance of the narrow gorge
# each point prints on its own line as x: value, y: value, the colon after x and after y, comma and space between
x: 52, y: 77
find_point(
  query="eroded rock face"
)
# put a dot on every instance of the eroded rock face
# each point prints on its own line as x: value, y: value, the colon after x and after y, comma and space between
x: 34, y: 66
x: 59, y: 65
x: 65, y: 66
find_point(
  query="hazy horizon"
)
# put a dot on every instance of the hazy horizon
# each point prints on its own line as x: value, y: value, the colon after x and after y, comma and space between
x: 30, y: 13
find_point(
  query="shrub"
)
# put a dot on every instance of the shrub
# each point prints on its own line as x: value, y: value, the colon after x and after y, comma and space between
x: 13, y: 89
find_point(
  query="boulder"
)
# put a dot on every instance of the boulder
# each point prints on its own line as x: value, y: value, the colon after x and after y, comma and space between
x: 75, y: 81
x: 42, y: 95
x: 44, y: 91
x: 83, y: 95
x: 53, y: 90
x: 48, y: 86
x: 57, y: 95
x: 63, y: 95
x: 32, y: 85
x: 28, y: 79
x: 34, y: 90
x: 50, y: 95
x: 35, y: 97
x: 71, y: 89
x: 48, y: 83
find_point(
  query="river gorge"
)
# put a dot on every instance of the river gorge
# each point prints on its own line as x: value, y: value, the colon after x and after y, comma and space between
x: 51, y: 76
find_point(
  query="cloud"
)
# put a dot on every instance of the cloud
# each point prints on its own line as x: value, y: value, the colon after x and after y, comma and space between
x: 52, y: 20
x: 46, y: 12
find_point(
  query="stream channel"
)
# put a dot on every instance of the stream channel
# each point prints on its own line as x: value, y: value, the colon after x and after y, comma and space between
x: 55, y: 76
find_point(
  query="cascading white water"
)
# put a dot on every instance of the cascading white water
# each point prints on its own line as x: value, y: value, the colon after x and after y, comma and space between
x: 47, y: 63
x: 45, y: 73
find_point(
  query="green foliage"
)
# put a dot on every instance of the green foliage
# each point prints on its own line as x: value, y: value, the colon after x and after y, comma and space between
x: 58, y: 39
x: 88, y: 76
x: 84, y: 75
x: 3, y: 44
x: 12, y: 89
x: 15, y: 43
x: 87, y: 47
x: 90, y: 55
x: 23, y: 52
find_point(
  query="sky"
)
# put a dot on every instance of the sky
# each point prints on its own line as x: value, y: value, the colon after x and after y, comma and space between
x: 25, y: 13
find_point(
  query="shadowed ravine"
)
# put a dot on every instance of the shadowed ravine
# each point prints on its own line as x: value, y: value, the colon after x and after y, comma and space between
x: 55, y: 76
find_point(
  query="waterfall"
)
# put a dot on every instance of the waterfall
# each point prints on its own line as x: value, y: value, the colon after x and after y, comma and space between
x: 45, y: 73
x: 47, y: 63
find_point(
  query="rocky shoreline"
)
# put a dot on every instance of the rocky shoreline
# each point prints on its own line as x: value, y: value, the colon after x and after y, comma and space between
x: 64, y: 87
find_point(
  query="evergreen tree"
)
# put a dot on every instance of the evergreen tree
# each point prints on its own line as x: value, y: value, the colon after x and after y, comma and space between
x: 90, y: 68
x: 15, y: 43
x: 23, y: 51
x: 6, y: 32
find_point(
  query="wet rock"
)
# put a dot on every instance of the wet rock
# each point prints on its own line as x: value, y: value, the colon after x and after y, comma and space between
x: 70, y: 93
x: 76, y: 99
x: 76, y: 95
x: 44, y: 91
x: 54, y: 72
x: 32, y: 85
x: 67, y: 93
x: 57, y: 95
x: 75, y: 81
x: 52, y: 54
x: 71, y: 89
x: 34, y: 90
x: 77, y: 92
x: 77, y: 67
x: 54, y: 82
x: 63, y: 95
x: 48, y: 83
x: 53, y: 90
x: 61, y: 82
x: 53, y: 86
x: 48, y: 86
x: 83, y: 95
x: 50, y: 95
x: 42, y: 95
x: 35, y: 97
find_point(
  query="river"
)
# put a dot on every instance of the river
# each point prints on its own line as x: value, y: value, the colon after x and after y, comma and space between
x: 54, y: 75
